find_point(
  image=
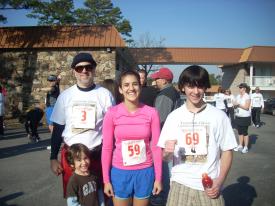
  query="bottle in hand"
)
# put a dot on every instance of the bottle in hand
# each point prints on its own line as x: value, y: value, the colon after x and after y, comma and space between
x: 207, y: 182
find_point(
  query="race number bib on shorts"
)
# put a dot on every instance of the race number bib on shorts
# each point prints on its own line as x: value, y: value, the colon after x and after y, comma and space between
x: 84, y: 115
x: 133, y: 152
x: 194, y: 140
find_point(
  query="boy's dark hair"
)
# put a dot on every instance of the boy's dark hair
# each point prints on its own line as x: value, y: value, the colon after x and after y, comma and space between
x: 74, y: 152
x: 125, y: 73
x: 194, y: 76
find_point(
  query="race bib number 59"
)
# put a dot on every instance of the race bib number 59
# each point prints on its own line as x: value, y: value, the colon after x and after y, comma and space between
x: 133, y: 152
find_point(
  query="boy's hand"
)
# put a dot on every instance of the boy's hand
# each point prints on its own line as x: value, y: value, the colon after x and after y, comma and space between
x: 214, y: 191
x: 170, y: 146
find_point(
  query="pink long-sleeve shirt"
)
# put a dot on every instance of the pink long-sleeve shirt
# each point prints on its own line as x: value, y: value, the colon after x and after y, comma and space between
x: 120, y: 125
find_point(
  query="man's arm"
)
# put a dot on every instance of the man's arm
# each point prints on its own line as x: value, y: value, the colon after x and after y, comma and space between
x: 56, y: 141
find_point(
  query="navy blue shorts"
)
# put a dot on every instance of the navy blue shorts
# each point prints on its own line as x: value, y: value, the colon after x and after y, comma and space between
x: 132, y: 183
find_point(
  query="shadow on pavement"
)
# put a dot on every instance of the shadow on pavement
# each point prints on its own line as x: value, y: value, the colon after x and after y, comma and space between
x: 240, y: 193
x: 3, y: 200
x: 252, y: 140
x: 21, y: 149
x: 11, y: 134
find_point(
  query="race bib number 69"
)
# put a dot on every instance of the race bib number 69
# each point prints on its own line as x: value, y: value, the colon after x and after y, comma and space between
x: 194, y: 140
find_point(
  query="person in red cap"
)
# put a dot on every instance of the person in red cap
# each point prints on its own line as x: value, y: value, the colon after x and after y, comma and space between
x: 166, y: 101
x: 168, y: 97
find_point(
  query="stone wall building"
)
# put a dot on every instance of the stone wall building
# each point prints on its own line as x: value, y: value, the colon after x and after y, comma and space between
x: 29, y: 54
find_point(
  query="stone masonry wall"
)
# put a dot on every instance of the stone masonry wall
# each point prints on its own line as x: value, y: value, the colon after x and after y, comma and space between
x: 25, y: 74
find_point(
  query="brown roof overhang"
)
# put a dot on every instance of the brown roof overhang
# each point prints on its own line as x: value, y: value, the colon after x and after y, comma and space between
x: 60, y: 37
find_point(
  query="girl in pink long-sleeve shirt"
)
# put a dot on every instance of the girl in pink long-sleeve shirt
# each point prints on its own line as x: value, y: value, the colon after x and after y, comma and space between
x: 131, y: 159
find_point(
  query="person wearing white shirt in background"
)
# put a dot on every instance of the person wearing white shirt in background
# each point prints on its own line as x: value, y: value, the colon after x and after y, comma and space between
x: 257, y: 106
x: 229, y: 98
x: 243, y: 117
x: 219, y: 100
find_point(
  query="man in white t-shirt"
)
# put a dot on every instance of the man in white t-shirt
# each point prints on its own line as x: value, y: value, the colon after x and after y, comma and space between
x: 257, y: 106
x: 78, y: 116
x: 200, y: 139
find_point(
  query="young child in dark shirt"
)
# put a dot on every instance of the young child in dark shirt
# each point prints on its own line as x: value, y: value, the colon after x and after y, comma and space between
x: 82, y: 187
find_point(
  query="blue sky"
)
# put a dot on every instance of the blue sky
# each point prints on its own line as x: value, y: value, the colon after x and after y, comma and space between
x: 193, y: 23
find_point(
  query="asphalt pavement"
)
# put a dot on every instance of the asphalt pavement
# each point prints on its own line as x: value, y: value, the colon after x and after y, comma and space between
x: 26, y: 178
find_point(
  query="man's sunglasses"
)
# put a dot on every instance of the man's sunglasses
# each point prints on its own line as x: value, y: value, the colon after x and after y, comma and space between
x: 80, y: 68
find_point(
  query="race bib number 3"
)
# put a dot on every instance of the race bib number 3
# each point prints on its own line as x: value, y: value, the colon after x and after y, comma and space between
x: 133, y: 152
x: 84, y: 116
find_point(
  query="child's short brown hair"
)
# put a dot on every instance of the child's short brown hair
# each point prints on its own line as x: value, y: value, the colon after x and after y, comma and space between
x: 74, y: 152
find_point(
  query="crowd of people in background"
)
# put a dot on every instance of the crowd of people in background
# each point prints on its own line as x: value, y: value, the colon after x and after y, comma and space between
x: 119, y: 134
x: 243, y: 110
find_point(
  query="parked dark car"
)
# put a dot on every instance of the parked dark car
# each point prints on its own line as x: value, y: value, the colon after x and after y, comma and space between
x: 269, y: 106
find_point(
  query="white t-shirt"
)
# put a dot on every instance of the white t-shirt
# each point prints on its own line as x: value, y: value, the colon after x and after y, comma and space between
x: 239, y: 112
x: 257, y: 100
x: 212, y: 133
x: 219, y: 99
x: 82, y: 114
x: 229, y: 100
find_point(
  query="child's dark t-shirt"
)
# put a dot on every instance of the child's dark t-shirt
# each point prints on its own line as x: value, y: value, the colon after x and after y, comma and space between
x: 84, y: 188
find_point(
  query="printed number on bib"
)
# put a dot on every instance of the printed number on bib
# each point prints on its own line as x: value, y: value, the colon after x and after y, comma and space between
x: 194, y: 139
x: 133, y: 152
x: 84, y: 116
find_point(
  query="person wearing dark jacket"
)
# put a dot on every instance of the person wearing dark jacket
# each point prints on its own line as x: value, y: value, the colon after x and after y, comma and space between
x: 168, y: 97
x: 148, y: 93
x: 51, y: 98
x: 166, y: 101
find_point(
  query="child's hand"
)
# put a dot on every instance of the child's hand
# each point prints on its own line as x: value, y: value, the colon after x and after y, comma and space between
x: 108, y: 189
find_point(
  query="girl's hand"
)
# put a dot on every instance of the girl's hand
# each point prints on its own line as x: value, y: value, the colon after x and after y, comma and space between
x: 157, y: 188
x: 108, y: 189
